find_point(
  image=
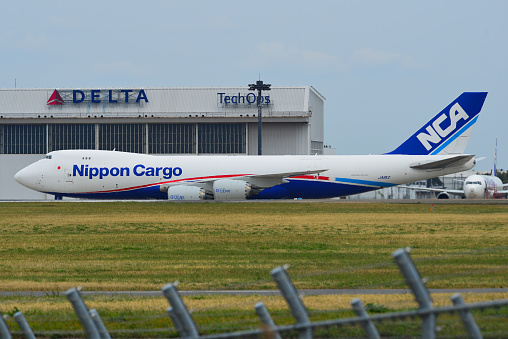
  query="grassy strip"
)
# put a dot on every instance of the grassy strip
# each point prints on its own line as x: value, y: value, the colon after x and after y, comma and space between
x: 127, y: 316
x: 142, y: 246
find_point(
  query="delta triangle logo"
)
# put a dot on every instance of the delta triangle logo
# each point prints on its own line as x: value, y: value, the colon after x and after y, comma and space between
x: 55, y: 99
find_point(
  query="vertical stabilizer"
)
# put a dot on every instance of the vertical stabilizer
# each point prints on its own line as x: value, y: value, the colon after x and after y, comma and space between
x: 449, y: 131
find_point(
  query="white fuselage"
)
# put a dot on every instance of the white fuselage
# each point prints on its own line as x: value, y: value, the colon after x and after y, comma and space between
x: 110, y: 174
x: 482, y: 186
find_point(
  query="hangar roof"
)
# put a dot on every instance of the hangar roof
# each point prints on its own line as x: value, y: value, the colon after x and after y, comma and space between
x: 157, y: 102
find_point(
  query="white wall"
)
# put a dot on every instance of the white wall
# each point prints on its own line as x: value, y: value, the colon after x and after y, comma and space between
x: 9, y: 188
x: 316, y: 104
x: 279, y: 138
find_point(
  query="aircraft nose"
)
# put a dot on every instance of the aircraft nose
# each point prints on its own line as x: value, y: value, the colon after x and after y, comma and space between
x: 475, y: 193
x: 17, y: 176
x: 25, y: 177
x: 20, y: 177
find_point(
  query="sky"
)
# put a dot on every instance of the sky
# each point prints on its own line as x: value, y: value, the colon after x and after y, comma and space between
x: 384, y: 67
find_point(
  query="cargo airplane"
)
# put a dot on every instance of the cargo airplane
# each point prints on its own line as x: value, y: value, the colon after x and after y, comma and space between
x: 435, y: 149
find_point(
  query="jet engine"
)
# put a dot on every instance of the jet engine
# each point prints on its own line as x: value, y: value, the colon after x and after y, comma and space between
x: 186, y: 193
x: 443, y: 195
x: 227, y: 189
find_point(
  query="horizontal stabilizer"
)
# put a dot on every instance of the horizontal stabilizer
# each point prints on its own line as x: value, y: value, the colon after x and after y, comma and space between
x: 444, y: 163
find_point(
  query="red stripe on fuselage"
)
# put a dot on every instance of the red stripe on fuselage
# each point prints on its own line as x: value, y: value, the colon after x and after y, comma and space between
x: 311, y: 177
x: 224, y: 176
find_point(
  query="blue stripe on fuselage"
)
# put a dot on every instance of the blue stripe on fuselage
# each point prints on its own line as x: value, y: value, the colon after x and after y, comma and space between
x: 313, y: 189
x: 151, y: 192
x: 306, y: 189
x: 365, y: 182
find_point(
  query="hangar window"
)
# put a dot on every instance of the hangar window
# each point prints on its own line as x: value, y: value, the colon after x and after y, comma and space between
x: 23, y: 139
x: 122, y: 137
x: 71, y: 136
x: 222, y: 138
x: 171, y: 138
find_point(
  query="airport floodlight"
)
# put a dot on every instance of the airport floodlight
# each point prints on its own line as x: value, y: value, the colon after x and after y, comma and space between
x: 259, y: 86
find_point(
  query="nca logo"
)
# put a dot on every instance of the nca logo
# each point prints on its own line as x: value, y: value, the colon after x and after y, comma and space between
x: 55, y: 99
x: 436, y: 131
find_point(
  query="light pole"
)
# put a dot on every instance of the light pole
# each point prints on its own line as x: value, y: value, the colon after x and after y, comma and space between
x: 259, y: 86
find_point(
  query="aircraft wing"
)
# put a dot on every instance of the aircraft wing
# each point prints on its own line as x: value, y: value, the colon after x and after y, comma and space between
x: 259, y: 180
x: 287, y: 174
x: 503, y: 192
x: 440, y: 190
x: 444, y: 163
x: 272, y: 179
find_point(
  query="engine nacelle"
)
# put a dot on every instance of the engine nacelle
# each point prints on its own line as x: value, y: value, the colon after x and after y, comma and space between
x: 186, y: 193
x: 227, y: 189
x: 443, y: 195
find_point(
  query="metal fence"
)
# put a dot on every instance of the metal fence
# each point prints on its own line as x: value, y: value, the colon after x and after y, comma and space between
x: 303, y: 327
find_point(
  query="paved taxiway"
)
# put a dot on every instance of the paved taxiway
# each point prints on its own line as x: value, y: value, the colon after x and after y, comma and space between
x: 333, y: 200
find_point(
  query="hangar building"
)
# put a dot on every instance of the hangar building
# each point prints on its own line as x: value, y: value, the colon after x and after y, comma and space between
x: 159, y: 121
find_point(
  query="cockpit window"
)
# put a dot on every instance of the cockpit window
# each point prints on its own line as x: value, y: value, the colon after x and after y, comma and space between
x: 47, y: 156
x: 473, y: 183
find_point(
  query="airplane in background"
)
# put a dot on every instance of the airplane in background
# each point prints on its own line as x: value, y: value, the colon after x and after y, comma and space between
x: 476, y: 186
x: 435, y: 149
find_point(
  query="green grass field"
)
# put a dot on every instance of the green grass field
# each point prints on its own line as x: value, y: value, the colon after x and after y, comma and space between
x: 53, y: 246
x: 142, y: 246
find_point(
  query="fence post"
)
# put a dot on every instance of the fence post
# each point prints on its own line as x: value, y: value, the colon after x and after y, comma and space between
x: 267, y: 321
x: 289, y: 292
x: 176, y: 322
x: 180, y: 311
x: 82, y: 312
x: 99, y: 324
x: 368, y: 325
x: 4, y: 329
x: 23, y: 325
x: 467, y: 317
x: 420, y: 292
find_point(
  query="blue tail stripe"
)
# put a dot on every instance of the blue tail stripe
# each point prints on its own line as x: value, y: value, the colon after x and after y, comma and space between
x: 458, y: 134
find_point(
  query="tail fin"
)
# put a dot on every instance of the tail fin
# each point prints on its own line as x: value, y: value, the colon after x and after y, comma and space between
x: 449, y: 131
